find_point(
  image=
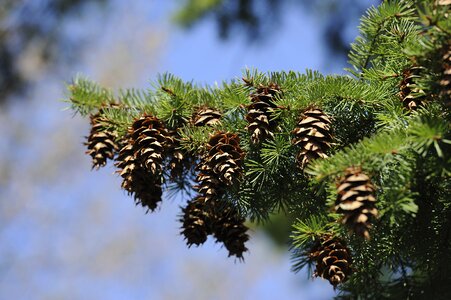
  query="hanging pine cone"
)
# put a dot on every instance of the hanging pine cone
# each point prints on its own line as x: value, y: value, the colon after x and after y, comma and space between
x: 312, y: 134
x: 138, y: 181
x: 445, y: 81
x: 221, y: 166
x: 202, y: 218
x: 197, y: 221
x: 225, y: 157
x: 101, y: 143
x: 411, y: 96
x: 206, y: 116
x: 261, y: 125
x: 179, y: 162
x: 209, y: 186
x: 333, y: 259
x: 229, y: 229
x: 149, y: 141
x: 356, y: 200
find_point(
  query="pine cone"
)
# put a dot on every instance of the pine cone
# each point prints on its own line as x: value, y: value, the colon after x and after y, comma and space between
x: 333, y: 260
x: 209, y: 186
x: 101, y: 143
x: 150, y: 139
x: 138, y: 181
x: 312, y: 134
x: 197, y: 218
x: 225, y: 157
x: 410, y: 95
x: 356, y: 200
x: 259, y: 116
x: 221, y: 166
x: 179, y: 162
x: 229, y: 229
x: 202, y: 218
x: 206, y: 116
x: 445, y: 81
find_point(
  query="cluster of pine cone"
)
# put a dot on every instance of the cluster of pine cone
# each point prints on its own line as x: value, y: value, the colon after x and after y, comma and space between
x: 150, y: 152
x: 312, y: 133
x: 202, y: 218
x: 149, y: 149
x: 205, y: 215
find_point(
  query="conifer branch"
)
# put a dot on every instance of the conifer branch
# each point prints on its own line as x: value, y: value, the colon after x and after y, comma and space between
x: 87, y: 96
x: 348, y: 157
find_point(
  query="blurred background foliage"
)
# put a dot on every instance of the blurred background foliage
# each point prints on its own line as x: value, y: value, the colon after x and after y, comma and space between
x: 260, y: 20
x: 27, y: 26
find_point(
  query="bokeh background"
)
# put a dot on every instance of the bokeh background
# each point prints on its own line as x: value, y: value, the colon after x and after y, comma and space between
x: 70, y: 233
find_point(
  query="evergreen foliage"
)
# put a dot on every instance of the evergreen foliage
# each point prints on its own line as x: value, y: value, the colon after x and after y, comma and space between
x: 397, y: 193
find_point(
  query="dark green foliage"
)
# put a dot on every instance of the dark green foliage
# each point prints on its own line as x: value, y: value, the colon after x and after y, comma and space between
x: 399, y: 156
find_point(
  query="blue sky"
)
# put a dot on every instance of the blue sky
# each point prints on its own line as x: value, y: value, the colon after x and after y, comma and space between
x: 71, y: 233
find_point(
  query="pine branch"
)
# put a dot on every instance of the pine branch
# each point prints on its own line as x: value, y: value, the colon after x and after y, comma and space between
x: 374, y: 151
x: 86, y: 96
x: 373, y: 26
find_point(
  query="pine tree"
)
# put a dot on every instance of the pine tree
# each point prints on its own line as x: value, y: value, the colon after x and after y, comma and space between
x: 361, y: 161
